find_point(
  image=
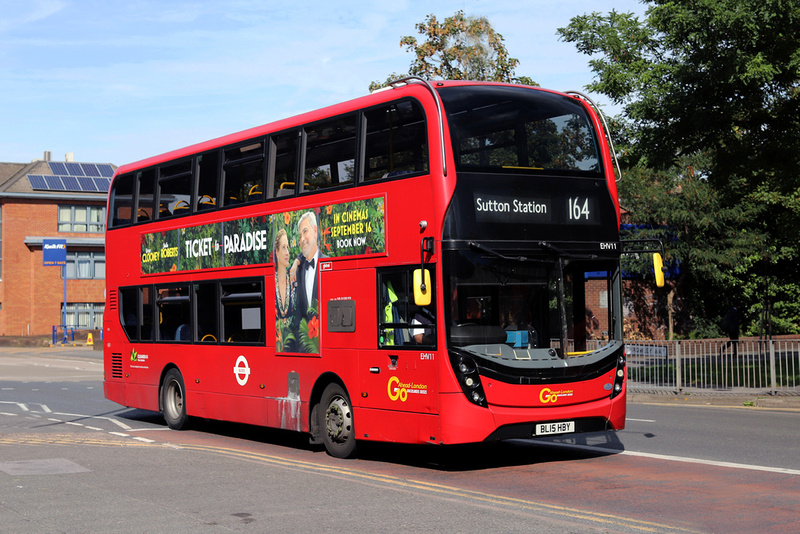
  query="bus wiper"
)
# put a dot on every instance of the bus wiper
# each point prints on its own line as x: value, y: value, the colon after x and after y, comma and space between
x: 487, y: 250
x: 552, y: 248
x: 561, y: 253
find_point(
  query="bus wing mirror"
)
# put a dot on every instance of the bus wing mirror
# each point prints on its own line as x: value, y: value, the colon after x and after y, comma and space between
x: 422, y: 287
x: 658, y: 267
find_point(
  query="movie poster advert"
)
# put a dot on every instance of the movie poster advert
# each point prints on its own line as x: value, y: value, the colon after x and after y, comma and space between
x: 294, y: 241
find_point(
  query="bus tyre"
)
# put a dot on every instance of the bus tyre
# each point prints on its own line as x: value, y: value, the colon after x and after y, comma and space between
x: 173, y: 400
x: 336, y: 422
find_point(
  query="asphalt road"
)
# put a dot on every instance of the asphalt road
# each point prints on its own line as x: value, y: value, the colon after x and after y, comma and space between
x: 71, y: 461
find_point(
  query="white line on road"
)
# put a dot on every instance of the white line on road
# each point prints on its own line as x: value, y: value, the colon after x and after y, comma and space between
x: 641, y: 420
x: 683, y: 459
x: 120, y: 424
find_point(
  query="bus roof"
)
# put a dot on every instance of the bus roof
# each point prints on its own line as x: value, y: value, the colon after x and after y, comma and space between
x: 376, y: 97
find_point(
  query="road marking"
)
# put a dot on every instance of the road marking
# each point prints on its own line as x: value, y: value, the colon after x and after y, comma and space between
x: 120, y: 424
x: 641, y: 420
x: 447, y: 491
x: 684, y: 459
x: 24, y: 407
x: 717, y: 463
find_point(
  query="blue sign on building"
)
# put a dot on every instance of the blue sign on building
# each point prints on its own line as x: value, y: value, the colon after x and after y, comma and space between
x: 54, y: 252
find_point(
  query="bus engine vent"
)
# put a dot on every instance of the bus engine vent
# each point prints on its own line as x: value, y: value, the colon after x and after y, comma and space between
x: 116, y: 365
x: 112, y: 300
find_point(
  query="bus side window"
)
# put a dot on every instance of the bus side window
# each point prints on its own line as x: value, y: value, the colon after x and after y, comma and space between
x: 208, y: 171
x: 330, y: 153
x: 129, y: 311
x: 121, y: 211
x: 175, y: 187
x: 174, y: 314
x: 243, y: 312
x: 206, y: 312
x: 396, y: 141
x: 146, y: 330
x: 400, y: 321
x: 243, y: 172
x: 146, y: 207
x: 285, y: 164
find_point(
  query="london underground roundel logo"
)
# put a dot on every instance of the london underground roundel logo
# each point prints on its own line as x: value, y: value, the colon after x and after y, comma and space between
x: 241, y: 370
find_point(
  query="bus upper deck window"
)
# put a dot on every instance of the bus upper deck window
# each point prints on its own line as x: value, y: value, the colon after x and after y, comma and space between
x: 396, y: 140
x: 330, y: 153
x: 285, y: 146
x: 208, y: 175
x: 175, y: 187
x: 146, y: 206
x: 121, y: 210
x: 243, y: 173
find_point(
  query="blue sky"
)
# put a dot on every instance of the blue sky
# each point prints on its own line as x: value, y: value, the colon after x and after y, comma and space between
x: 117, y: 81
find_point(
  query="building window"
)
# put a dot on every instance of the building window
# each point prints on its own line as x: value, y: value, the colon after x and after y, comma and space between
x: 86, y: 265
x: 84, y: 315
x: 89, y: 219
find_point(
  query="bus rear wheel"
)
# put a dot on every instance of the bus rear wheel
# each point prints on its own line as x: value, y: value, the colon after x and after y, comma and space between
x: 173, y: 400
x: 336, y: 422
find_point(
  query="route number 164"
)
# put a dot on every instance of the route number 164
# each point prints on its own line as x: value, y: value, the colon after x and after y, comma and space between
x: 578, y: 209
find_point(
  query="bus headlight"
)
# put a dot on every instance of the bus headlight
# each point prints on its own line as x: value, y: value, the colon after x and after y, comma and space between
x: 469, y: 378
x: 619, y: 376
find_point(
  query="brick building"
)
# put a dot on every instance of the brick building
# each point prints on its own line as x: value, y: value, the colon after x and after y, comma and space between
x: 52, y: 200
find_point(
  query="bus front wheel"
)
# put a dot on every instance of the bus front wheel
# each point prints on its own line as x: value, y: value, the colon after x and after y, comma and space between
x: 336, y: 422
x: 173, y: 400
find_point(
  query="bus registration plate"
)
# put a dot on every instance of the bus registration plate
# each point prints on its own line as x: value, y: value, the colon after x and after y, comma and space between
x: 562, y: 427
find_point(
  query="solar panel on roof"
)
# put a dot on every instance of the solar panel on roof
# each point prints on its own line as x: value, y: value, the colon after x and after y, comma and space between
x: 90, y: 169
x: 37, y: 181
x: 74, y: 169
x: 58, y: 168
x: 54, y: 183
x: 70, y: 183
x: 70, y: 176
x: 103, y: 184
x: 105, y: 170
x: 86, y: 183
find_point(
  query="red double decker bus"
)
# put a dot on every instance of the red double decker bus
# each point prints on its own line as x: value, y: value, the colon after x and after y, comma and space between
x: 437, y: 262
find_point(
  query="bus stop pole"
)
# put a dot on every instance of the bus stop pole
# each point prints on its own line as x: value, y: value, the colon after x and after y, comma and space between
x: 64, y: 306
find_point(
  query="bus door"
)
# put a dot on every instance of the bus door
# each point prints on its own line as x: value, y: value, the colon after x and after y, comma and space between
x: 401, y: 374
x: 242, y: 362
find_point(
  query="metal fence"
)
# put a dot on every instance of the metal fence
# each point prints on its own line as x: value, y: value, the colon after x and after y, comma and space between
x: 752, y: 366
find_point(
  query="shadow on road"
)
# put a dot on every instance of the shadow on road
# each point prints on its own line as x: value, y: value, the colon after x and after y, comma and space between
x: 454, y: 458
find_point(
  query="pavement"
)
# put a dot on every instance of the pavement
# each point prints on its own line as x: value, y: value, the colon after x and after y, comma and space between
x: 89, y: 358
x: 789, y: 401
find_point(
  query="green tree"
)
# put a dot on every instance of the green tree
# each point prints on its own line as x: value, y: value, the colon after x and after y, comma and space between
x: 710, y: 91
x: 460, y: 48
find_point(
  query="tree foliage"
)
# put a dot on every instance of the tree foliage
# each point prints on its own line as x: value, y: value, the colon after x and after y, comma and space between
x: 460, y: 48
x: 710, y: 91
